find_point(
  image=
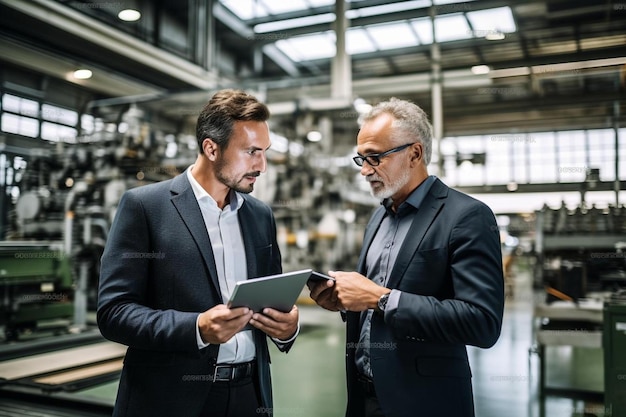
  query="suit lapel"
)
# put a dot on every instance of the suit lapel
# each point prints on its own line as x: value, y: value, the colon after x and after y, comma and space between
x: 187, y: 206
x: 428, y: 211
x: 370, y: 232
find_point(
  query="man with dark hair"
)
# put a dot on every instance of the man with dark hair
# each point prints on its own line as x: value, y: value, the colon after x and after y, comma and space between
x: 429, y: 279
x: 174, y: 254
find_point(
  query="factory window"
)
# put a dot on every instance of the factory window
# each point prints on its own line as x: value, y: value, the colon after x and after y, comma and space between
x: 571, y: 164
x: 58, y: 124
x: 20, y: 125
x: 469, y: 160
x: 533, y: 158
x: 498, y: 168
x: 58, y: 114
x: 57, y: 133
x: 26, y: 117
x: 542, y: 154
x: 19, y: 116
x: 602, y: 153
x: 19, y: 105
x: 87, y: 124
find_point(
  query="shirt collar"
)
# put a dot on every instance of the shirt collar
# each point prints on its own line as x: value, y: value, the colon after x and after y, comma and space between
x: 415, y: 198
x: 236, y: 199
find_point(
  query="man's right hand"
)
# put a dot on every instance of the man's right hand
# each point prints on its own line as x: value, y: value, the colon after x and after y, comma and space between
x: 324, y: 295
x: 220, y: 323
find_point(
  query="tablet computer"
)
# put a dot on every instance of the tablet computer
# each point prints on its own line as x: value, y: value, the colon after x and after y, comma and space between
x: 318, y: 277
x: 279, y: 292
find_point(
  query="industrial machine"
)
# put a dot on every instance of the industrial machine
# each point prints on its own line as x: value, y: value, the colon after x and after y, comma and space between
x: 58, y: 224
x: 35, y: 283
x: 580, y: 250
x: 581, y: 264
x: 614, y: 342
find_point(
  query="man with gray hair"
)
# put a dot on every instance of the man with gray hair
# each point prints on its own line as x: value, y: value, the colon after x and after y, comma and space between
x: 428, y: 282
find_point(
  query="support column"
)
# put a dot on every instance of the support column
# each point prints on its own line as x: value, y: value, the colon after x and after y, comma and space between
x: 341, y: 67
x: 202, y: 36
x: 616, y: 130
x: 436, y: 88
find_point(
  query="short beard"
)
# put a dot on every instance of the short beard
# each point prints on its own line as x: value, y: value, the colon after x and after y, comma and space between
x: 388, y: 190
x: 232, y: 183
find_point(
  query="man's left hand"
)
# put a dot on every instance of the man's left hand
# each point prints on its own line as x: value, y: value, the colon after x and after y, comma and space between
x: 356, y: 292
x: 275, y: 323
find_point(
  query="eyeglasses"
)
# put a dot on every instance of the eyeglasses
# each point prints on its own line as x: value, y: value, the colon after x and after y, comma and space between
x: 374, y: 158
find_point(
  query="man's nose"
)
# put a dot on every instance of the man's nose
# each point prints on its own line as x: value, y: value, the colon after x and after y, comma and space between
x: 366, y: 169
x: 262, y: 163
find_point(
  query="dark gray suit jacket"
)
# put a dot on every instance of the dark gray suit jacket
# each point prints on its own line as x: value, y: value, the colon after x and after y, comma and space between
x: 157, y: 274
x: 449, y: 270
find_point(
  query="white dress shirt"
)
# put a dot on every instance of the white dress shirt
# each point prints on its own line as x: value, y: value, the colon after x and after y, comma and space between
x: 230, y: 260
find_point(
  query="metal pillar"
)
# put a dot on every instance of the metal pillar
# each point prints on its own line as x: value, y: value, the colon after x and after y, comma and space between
x: 616, y: 130
x: 436, y: 87
x: 341, y: 67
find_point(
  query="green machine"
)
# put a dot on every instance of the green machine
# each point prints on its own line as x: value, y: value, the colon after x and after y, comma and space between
x: 614, y: 342
x: 35, y: 285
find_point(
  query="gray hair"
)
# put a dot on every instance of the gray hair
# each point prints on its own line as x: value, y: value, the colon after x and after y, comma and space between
x: 410, y: 119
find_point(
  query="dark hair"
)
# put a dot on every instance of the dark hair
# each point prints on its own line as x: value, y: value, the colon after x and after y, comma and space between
x: 218, y: 117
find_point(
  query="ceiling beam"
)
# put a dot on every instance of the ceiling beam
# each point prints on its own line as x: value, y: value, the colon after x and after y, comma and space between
x: 104, y: 81
x: 91, y: 30
x: 541, y: 188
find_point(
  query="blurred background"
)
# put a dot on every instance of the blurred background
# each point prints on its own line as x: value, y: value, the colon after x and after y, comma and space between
x: 527, y: 100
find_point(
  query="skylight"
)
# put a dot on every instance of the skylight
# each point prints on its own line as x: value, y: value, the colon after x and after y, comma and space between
x: 278, y: 7
x: 451, y: 28
x: 456, y: 21
x: 387, y: 8
x: 246, y: 9
x: 392, y: 35
x: 491, y: 21
x: 424, y: 29
x: 294, y: 23
x: 309, y: 47
x: 359, y: 42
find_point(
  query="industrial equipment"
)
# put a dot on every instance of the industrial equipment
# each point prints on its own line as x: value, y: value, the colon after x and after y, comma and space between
x: 614, y: 341
x: 581, y: 264
x: 58, y: 224
x: 580, y: 251
x: 35, y: 284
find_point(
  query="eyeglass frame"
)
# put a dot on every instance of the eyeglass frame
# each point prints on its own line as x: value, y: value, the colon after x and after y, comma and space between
x: 377, y: 156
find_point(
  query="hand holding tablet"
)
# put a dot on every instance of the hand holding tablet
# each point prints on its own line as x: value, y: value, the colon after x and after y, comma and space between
x: 319, y: 277
x: 279, y: 292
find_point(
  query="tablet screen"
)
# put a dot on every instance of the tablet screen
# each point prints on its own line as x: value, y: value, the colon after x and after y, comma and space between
x: 279, y: 292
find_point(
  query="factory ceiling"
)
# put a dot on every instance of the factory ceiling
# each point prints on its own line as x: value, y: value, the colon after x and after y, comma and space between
x: 520, y: 66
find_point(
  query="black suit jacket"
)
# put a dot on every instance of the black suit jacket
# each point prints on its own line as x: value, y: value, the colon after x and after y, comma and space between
x: 158, y: 273
x: 449, y: 270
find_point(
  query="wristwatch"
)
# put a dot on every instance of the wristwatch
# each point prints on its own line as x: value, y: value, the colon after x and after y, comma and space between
x: 382, y: 302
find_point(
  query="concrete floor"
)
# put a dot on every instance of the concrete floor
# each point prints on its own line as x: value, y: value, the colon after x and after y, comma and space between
x: 310, y: 381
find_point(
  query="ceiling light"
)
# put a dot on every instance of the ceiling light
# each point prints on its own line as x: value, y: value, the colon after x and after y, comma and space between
x: 129, y: 15
x: 480, y: 69
x: 314, y: 136
x: 512, y: 186
x: 82, y: 74
x: 494, y: 36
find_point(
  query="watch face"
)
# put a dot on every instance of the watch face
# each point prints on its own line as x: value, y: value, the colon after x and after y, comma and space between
x: 382, y: 302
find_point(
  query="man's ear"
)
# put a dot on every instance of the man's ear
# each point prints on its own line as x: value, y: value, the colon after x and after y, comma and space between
x: 210, y: 149
x: 416, y: 151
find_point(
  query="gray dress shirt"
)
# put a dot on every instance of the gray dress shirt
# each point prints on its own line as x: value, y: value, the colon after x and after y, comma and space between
x: 380, y: 258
